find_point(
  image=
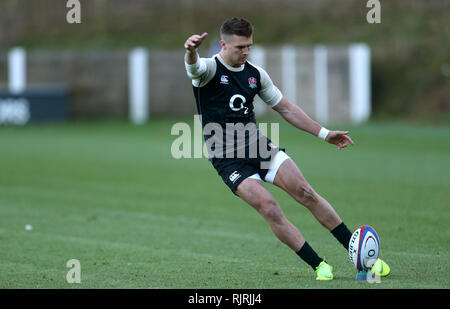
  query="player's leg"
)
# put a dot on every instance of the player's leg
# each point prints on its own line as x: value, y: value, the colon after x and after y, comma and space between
x: 252, y: 192
x: 289, y: 178
x: 286, y: 175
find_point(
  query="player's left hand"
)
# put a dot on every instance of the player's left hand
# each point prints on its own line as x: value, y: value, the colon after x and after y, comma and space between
x: 339, y: 138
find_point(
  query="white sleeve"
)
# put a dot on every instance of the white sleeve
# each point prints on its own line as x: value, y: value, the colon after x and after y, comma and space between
x: 203, y: 70
x: 269, y: 93
x: 197, y: 69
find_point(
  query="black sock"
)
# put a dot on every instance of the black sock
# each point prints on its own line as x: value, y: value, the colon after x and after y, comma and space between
x: 307, y: 254
x: 342, y: 234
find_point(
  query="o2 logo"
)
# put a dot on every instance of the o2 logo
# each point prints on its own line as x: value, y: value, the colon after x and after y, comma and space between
x: 238, y: 99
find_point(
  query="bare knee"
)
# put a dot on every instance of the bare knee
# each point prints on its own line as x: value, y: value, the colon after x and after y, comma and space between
x: 306, y: 195
x: 271, y: 211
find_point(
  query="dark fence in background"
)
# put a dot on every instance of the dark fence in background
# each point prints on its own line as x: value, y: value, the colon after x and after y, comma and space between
x: 331, y: 83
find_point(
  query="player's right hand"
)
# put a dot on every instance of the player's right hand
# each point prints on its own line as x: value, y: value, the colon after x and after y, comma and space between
x: 339, y: 138
x: 194, y: 41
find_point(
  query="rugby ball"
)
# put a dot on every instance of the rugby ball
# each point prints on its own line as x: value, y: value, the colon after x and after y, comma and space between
x: 364, y: 247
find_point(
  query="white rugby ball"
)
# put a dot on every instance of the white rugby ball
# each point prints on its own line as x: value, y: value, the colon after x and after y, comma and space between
x: 364, y: 247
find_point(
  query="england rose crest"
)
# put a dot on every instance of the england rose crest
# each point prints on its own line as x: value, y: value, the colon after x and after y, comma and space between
x: 252, y: 82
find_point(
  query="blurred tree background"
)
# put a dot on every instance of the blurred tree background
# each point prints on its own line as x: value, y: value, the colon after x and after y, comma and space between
x: 410, y: 52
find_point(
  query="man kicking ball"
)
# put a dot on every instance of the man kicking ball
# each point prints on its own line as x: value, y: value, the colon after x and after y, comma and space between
x: 224, y: 88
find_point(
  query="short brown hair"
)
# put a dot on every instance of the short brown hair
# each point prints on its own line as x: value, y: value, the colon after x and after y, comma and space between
x: 237, y: 26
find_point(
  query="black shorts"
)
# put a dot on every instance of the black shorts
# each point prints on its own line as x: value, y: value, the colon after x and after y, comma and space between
x: 234, y: 170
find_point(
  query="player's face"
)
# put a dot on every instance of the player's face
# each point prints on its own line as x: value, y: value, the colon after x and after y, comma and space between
x: 235, y: 49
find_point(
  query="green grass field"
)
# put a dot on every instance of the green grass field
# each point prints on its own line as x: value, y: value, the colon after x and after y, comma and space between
x: 110, y: 195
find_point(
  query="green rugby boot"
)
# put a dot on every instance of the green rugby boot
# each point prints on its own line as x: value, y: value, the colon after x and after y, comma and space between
x: 324, y: 271
x: 380, y: 268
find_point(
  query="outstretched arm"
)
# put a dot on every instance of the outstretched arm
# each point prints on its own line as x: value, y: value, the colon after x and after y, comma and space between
x: 299, y: 119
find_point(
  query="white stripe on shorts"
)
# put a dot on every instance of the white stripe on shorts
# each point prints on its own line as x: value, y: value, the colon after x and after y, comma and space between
x: 275, y: 164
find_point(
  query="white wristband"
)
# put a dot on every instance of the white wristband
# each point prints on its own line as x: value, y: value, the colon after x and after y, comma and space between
x: 323, y: 133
